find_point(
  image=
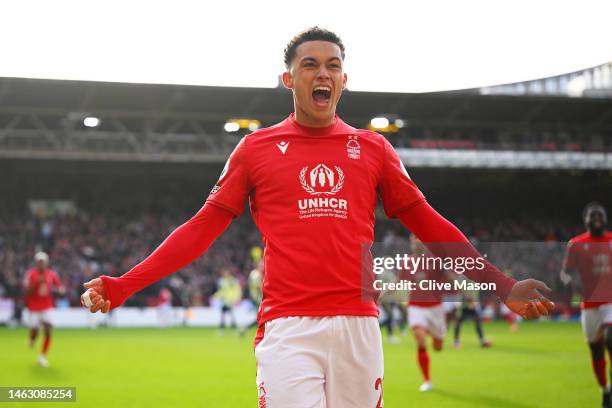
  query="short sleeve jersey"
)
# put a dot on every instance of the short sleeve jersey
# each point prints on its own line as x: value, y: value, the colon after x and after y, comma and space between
x: 42, y: 283
x: 592, y: 258
x: 312, y: 194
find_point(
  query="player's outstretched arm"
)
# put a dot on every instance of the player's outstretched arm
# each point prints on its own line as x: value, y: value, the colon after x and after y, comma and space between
x: 182, y: 247
x: 444, y: 239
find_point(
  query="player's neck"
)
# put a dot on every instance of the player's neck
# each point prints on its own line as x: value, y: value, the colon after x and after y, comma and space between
x: 598, y: 234
x: 303, y: 119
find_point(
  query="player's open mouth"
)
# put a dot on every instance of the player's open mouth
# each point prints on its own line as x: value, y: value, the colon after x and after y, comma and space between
x: 321, y: 95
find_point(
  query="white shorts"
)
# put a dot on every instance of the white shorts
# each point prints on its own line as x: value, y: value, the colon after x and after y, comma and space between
x: 432, y: 319
x: 36, y: 319
x: 593, y: 321
x: 318, y: 362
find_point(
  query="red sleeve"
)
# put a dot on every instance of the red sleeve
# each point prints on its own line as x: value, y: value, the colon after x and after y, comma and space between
x: 443, y: 239
x: 397, y: 191
x: 233, y: 187
x: 56, y: 280
x: 28, y: 281
x: 182, y: 246
x: 569, y: 262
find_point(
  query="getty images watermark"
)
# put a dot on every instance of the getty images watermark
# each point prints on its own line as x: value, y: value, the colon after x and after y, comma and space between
x: 400, y: 269
x: 421, y: 266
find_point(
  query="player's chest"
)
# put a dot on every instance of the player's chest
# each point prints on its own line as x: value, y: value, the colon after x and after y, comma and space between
x: 41, y: 278
x: 317, y: 168
x: 596, y: 257
x: 43, y: 284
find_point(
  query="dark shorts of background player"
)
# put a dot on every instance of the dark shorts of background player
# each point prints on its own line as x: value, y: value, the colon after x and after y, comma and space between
x: 470, y: 313
x: 467, y: 312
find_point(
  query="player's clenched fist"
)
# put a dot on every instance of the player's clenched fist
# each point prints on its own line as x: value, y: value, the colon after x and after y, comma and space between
x: 526, y: 300
x: 95, y: 297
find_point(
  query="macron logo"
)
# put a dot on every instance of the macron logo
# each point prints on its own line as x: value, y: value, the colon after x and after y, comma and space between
x: 283, y: 146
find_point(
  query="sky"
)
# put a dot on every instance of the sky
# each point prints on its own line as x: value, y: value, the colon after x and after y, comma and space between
x: 391, y: 46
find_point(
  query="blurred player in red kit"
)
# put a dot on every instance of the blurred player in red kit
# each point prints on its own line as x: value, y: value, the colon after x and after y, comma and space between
x: 312, y: 182
x: 590, y: 255
x: 426, y: 314
x: 40, y: 285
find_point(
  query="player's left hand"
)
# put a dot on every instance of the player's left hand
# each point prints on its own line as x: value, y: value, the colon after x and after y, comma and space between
x: 526, y: 300
x: 97, y: 295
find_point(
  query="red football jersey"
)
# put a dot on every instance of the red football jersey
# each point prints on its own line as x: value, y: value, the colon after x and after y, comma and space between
x: 43, y: 282
x: 312, y: 193
x: 592, y: 257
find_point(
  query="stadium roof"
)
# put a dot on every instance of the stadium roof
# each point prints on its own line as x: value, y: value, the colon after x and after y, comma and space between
x: 48, y: 119
x: 140, y: 101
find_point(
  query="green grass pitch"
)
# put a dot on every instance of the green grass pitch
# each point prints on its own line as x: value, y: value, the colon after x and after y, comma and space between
x: 541, y: 365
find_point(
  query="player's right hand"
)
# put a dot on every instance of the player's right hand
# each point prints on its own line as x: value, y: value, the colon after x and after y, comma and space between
x: 526, y: 300
x: 97, y: 295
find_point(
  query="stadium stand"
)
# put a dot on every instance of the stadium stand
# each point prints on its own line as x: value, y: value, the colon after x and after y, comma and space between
x: 99, y: 198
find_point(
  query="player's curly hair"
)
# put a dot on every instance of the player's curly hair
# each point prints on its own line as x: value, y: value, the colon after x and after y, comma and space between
x: 311, y: 34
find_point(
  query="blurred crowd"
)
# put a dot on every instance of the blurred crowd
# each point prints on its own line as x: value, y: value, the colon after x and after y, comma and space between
x: 82, y: 246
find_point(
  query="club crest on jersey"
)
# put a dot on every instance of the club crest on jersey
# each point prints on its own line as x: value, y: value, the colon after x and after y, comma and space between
x: 353, y: 149
x: 322, y: 180
x: 322, y: 183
